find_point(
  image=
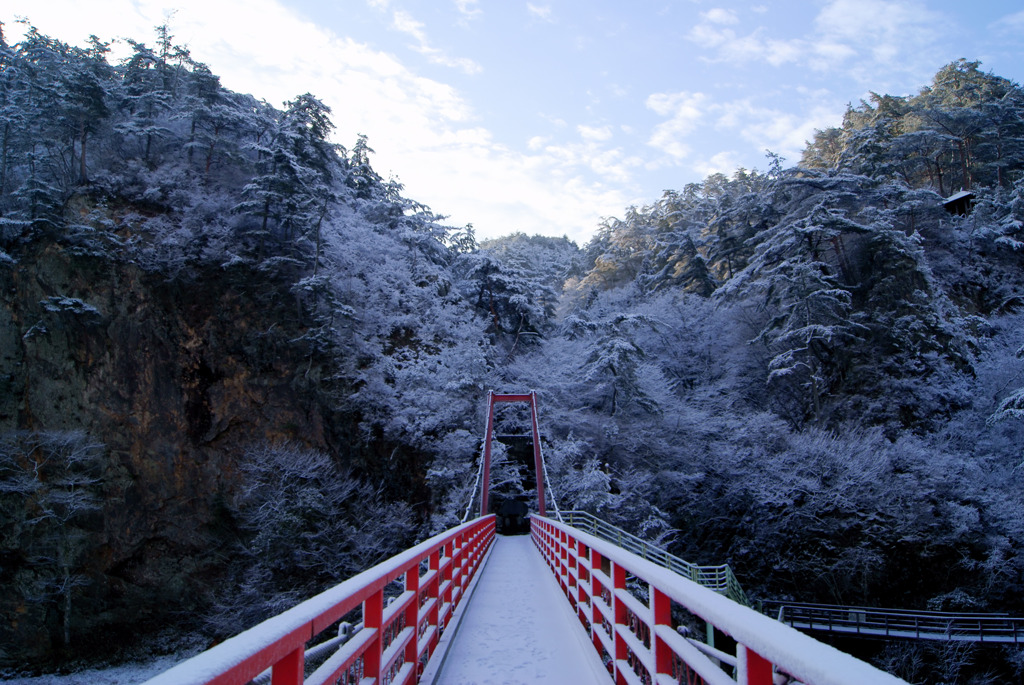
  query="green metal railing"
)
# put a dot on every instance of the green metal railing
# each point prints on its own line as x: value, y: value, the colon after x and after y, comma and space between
x: 900, y: 623
x: 721, y: 579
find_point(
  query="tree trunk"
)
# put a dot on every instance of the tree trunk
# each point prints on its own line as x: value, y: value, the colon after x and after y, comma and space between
x: 965, y: 161
x: 83, y: 174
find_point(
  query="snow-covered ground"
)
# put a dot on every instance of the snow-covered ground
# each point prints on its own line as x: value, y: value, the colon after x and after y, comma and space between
x: 125, y: 674
x: 519, y: 628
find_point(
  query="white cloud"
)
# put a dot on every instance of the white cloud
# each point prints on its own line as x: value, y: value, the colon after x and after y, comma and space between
x: 469, y: 9
x: 731, y: 47
x: 537, y: 143
x: 721, y: 16
x: 765, y: 128
x: 542, y: 12
x: 556, y: 121
x: 722, y: 163
x: 857, y: 35
x: 595, y: 133
x: 882, y: 28
x: 404, y: 22
x: 1015, y: 20
x: 610, y: 165
x: 782, y: 132
x: 685, y: 110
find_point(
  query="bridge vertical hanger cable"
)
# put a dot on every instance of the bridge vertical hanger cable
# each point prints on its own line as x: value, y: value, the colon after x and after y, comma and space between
x: 543, y: 475
x: 473, y: 492
x: 551, y: 490
x: 485, y: 463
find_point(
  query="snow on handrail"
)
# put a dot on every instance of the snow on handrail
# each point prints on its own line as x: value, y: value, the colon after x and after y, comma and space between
x: 423, y: 610
x: 593, y: 574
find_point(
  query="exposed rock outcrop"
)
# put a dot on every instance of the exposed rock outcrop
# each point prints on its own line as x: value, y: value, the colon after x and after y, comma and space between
x: 175, y: 378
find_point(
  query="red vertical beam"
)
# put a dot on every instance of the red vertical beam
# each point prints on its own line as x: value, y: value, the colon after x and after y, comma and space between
x: 596, y: 590
x: 446, y: 577
x: 289, y: 670
x: 751, y: 667
x: 661, y: 607
x: 619, y: 609
x: 487, y: 454
x: 458, y: 569
x: 538, y: 463
x: 582, y: 582
x: 412, y: 618
x: 373, y: 617
x: 432, y: 593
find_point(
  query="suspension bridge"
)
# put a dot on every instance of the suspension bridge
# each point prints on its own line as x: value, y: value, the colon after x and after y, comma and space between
x: 575, y: 601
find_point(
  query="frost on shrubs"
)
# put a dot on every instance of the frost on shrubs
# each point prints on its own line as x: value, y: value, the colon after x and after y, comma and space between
x: 305, y: 523
x: 48, y: 496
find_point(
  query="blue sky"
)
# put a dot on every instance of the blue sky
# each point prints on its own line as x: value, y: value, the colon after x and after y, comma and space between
x: 545, y: 116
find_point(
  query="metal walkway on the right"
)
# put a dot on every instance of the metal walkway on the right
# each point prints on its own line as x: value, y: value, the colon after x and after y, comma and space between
x: 899, y: 623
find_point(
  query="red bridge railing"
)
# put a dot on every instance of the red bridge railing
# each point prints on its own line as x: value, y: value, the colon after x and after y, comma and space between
x: 629, y: 606
x: 397, y: 638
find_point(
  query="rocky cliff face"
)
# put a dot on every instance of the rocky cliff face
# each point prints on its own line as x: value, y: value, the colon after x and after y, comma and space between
x: 175, y: 378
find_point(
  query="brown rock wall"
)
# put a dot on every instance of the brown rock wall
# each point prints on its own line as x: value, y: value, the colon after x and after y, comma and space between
x: 175, y: 379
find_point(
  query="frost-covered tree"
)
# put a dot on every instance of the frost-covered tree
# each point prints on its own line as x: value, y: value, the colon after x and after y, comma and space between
x: 49, y: 500
x: 304, y: 523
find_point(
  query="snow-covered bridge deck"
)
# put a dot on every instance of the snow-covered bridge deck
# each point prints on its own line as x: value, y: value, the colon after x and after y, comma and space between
x: 518, y: 627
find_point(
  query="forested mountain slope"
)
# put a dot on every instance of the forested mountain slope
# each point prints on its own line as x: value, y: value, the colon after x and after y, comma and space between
x: 236, y: 364
x: 205, y: 304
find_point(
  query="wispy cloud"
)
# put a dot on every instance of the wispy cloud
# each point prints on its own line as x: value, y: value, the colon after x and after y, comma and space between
x: 542, y: 12
x: 613, y: 166
x: 856, y: 35
x: 722, y: 163
x: 882, y: 29
x: 469, y: 9
x: 720, y: 16
x: 684, y: 111
x: 729, y: 46
x: 688, y: 114
x: 597, y: 133
x: 404, y: 22
x: 1011, y: 24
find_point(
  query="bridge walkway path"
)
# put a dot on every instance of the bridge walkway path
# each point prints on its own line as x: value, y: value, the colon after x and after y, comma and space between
x: 518, y: 627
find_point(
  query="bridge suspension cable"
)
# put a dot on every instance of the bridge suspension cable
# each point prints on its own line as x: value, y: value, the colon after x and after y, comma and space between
x: 476, y: 484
